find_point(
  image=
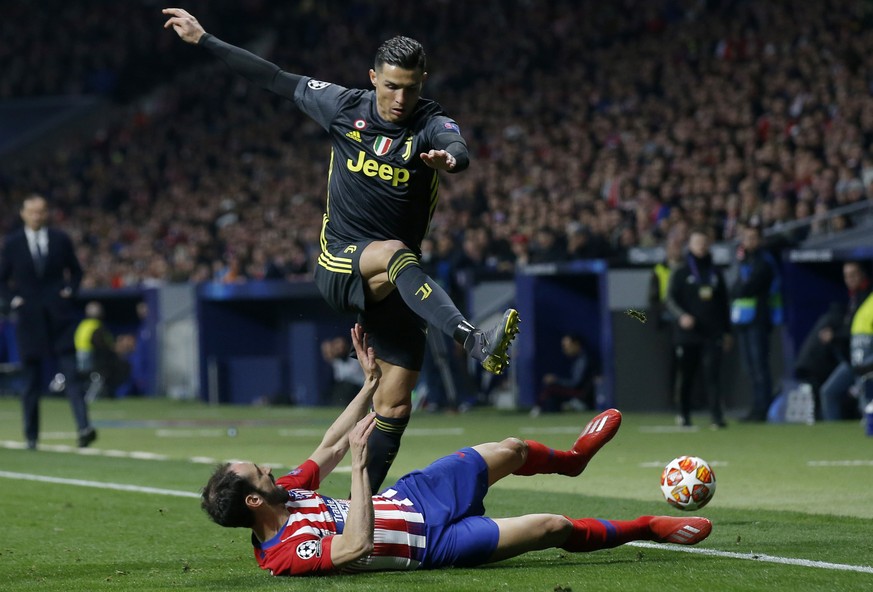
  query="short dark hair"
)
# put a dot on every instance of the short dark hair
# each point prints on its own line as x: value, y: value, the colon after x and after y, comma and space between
x: 575, y: 337
x: 31, y: 197
x: 401, y: 52
x: 705, y: 230
x: 862, y: 266
x: 224, y: 498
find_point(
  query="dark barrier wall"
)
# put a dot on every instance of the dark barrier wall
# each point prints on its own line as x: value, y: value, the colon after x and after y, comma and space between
x: 260, y: 342
x: 555, y: 299
x: 813, y: 280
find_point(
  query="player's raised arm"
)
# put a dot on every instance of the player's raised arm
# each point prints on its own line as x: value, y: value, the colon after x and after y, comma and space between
x: 335, y: 443
x: 256, y: 69
x: 185, y: 25
x: 356, y: 541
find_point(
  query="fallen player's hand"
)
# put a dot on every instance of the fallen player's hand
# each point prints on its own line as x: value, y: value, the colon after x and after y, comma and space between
x: 366, y: 354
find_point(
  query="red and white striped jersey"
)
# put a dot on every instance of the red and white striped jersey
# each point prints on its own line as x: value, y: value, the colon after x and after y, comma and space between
x: 302, y: 546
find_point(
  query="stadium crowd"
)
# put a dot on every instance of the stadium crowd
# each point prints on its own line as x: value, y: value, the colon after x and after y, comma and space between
x: 594, y: 127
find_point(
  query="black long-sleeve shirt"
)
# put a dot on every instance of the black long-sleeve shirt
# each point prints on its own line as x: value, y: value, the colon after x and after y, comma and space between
x: 378, y: 186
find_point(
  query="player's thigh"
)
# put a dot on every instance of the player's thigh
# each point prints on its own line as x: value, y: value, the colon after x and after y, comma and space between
x: 502, y: 457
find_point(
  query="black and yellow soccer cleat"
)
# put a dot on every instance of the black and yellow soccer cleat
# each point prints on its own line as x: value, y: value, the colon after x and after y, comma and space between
x: 491, y: 347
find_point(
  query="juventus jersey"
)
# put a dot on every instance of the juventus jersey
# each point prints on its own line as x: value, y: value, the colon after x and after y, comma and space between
x: 303, y: 545
x: 378, y: 187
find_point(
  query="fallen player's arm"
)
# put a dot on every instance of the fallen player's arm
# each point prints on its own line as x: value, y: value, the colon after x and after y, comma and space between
x: 335, y: 443
x: 356, y: 541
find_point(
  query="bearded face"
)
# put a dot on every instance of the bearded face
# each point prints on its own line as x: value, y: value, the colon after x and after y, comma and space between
x: 275, y: 494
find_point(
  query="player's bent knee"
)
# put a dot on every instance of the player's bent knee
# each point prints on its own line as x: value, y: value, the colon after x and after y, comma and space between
x: 387, y: 248
x: 556, y: 525
x: 514, y: 447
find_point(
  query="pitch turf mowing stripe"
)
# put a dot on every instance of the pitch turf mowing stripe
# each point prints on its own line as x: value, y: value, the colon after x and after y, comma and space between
x: 661, y: 547
x: 757, y: 557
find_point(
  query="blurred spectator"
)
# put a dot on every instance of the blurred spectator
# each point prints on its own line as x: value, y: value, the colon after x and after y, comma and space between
x: 823, y: 358
x: 347, y: 376
x: 861, y: 355
x: 101, y: 358
x: 751, y: 315
x: 575, y: 390
x: 659, y: 312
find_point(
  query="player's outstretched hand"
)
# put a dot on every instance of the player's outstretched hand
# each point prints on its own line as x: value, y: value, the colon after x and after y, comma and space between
x: 185, y: 25
x: 366, y: 354
x: 358, y: 438
x: 439, y: 159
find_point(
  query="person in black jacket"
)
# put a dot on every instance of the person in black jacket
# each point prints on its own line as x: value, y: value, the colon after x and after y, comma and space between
x: 39, y: 275
x: 575, y: 388
x: 752, y: 316
x: 698, y: 301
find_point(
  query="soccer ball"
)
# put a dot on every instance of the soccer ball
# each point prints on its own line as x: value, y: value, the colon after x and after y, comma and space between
x: 688, y: 483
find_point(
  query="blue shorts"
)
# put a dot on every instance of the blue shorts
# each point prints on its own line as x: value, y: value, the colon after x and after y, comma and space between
x: 450, y: 493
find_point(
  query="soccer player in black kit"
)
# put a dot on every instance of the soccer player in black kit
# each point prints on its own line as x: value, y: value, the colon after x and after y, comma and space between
x: 387, y: 148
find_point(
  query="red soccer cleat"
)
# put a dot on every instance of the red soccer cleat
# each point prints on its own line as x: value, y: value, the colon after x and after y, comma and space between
x: 681, y: 531
x: 598, y: 432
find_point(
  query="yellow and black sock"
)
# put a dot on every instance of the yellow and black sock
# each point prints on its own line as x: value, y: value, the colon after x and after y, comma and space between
x: 383, y: 445
x: 422, y: 294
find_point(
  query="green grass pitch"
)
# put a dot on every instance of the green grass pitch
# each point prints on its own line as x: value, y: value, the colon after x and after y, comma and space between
x: 793, y: 509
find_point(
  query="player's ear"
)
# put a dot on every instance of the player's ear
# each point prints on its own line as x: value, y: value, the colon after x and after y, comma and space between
x: 253, y: 500
x: 423, y: 77
x: 373, y: 76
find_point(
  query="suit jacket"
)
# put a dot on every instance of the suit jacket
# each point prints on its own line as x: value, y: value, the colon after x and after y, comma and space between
x: 46, y: 321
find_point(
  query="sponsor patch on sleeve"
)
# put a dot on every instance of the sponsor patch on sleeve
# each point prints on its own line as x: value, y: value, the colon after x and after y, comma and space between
x: 317, y: 84
x: 309, y: 549
x: 451, y: 125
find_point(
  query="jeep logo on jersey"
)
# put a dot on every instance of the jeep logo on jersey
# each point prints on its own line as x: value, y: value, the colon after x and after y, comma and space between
x: 317, y: 84
x: 382, y: 145
x: 374, y: 168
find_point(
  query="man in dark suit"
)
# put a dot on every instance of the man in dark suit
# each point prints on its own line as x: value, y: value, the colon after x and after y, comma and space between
x: 39, y: 275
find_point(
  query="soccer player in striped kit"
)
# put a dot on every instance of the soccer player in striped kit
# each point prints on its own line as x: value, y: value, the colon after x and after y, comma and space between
x: 388, y: 146
x: 430, y: 518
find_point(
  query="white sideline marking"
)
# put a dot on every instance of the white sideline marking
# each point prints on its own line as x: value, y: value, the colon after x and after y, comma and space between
x: 97, y: 484
x: 677, y: 548
x: 757, y: 557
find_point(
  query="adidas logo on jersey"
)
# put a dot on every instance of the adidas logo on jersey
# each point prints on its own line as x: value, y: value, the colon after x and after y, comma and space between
x: 354, y: 135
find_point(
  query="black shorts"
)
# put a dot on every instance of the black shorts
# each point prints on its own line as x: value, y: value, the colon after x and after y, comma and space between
x: 396, y: 333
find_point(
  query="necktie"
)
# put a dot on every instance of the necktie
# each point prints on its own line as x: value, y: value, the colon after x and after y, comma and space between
x: 39, y: 260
